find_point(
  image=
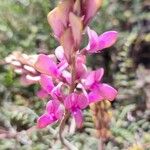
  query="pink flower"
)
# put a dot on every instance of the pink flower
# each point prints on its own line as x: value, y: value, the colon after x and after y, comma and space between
x: 102, y: 92
x: 54, y: 112
x: 98, y: 91
x: 98, y: 43
x: 75, y: 103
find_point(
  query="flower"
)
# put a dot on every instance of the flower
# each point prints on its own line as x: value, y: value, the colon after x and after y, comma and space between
x: 54, y: 112
x: 98, y: 43
x: 98, y: 91
x: 75, y: 103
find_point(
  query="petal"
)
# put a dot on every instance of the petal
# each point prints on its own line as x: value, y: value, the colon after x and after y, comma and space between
x: 46, y: 83
x: 90, y: 7
x: 78, y: 118
x: 93, y: 40
x: 52, y: 106
x: 44, y: 121
x: 98, y: 74
x: 67, y: 76
x: 57, y: 93
x: 67, y: 43
x: 29, y: 69
x: 70, y: 101
x: 107, y: 39
x: 59, y: 52
x: 76, y: 27
x: 82, y: 101
x: 62, y: 66
x: 46, y: 65
x: 95, y: 96
x: 33, y: 78
x: 26, y: 82
x: 107, y: 92
x: 82, y: 70
x: 42, y: 94
x: 58, y: 17
x: 60, y: 112
x: 93, y: 77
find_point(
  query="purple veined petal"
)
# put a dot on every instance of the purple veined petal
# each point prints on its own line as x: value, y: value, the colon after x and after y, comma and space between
x: 46, y: 83
x: 59, y: 52
x: 62, y: 66
x: 52, y: 106
x: 78, y: 116
x: 44, y: 120
x: 60, y: 112
x: 107, y: 92
x: 57, y: 93
x: 70, y: 101
x: 107, y: 39
x: 46, y: 65
x: 82, y: 101
x: 42, y: 94
x: 95, y: 96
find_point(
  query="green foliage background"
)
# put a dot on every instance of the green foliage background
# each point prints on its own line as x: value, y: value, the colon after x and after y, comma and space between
x: 24, y: 27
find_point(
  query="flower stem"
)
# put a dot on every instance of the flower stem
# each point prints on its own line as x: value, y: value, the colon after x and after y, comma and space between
x: 67, y: 113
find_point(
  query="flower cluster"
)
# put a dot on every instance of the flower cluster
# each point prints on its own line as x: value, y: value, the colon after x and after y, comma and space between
x: 64, y: 76
x: 23, y: 65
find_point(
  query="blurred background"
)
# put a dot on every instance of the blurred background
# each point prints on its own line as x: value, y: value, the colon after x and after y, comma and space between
x: 24, y: 28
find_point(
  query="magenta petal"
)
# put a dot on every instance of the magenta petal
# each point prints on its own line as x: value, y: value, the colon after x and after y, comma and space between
x: 78, y: 118
x: 82, y: 101
x: 99, y: 74
x: 42, y: 94
x: 44, y: 121
x: 52, y: 106
x: 60, y: 112
x: 95, y: 96
x: 107, y: 92
x: 57, y: 92
x: 93, y: 77
x: 70, y: 100
x: 82, y: 70
x: 107, y: 39
x: 46, y: 65
x: 93, y: 40
x: 46, y: 83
